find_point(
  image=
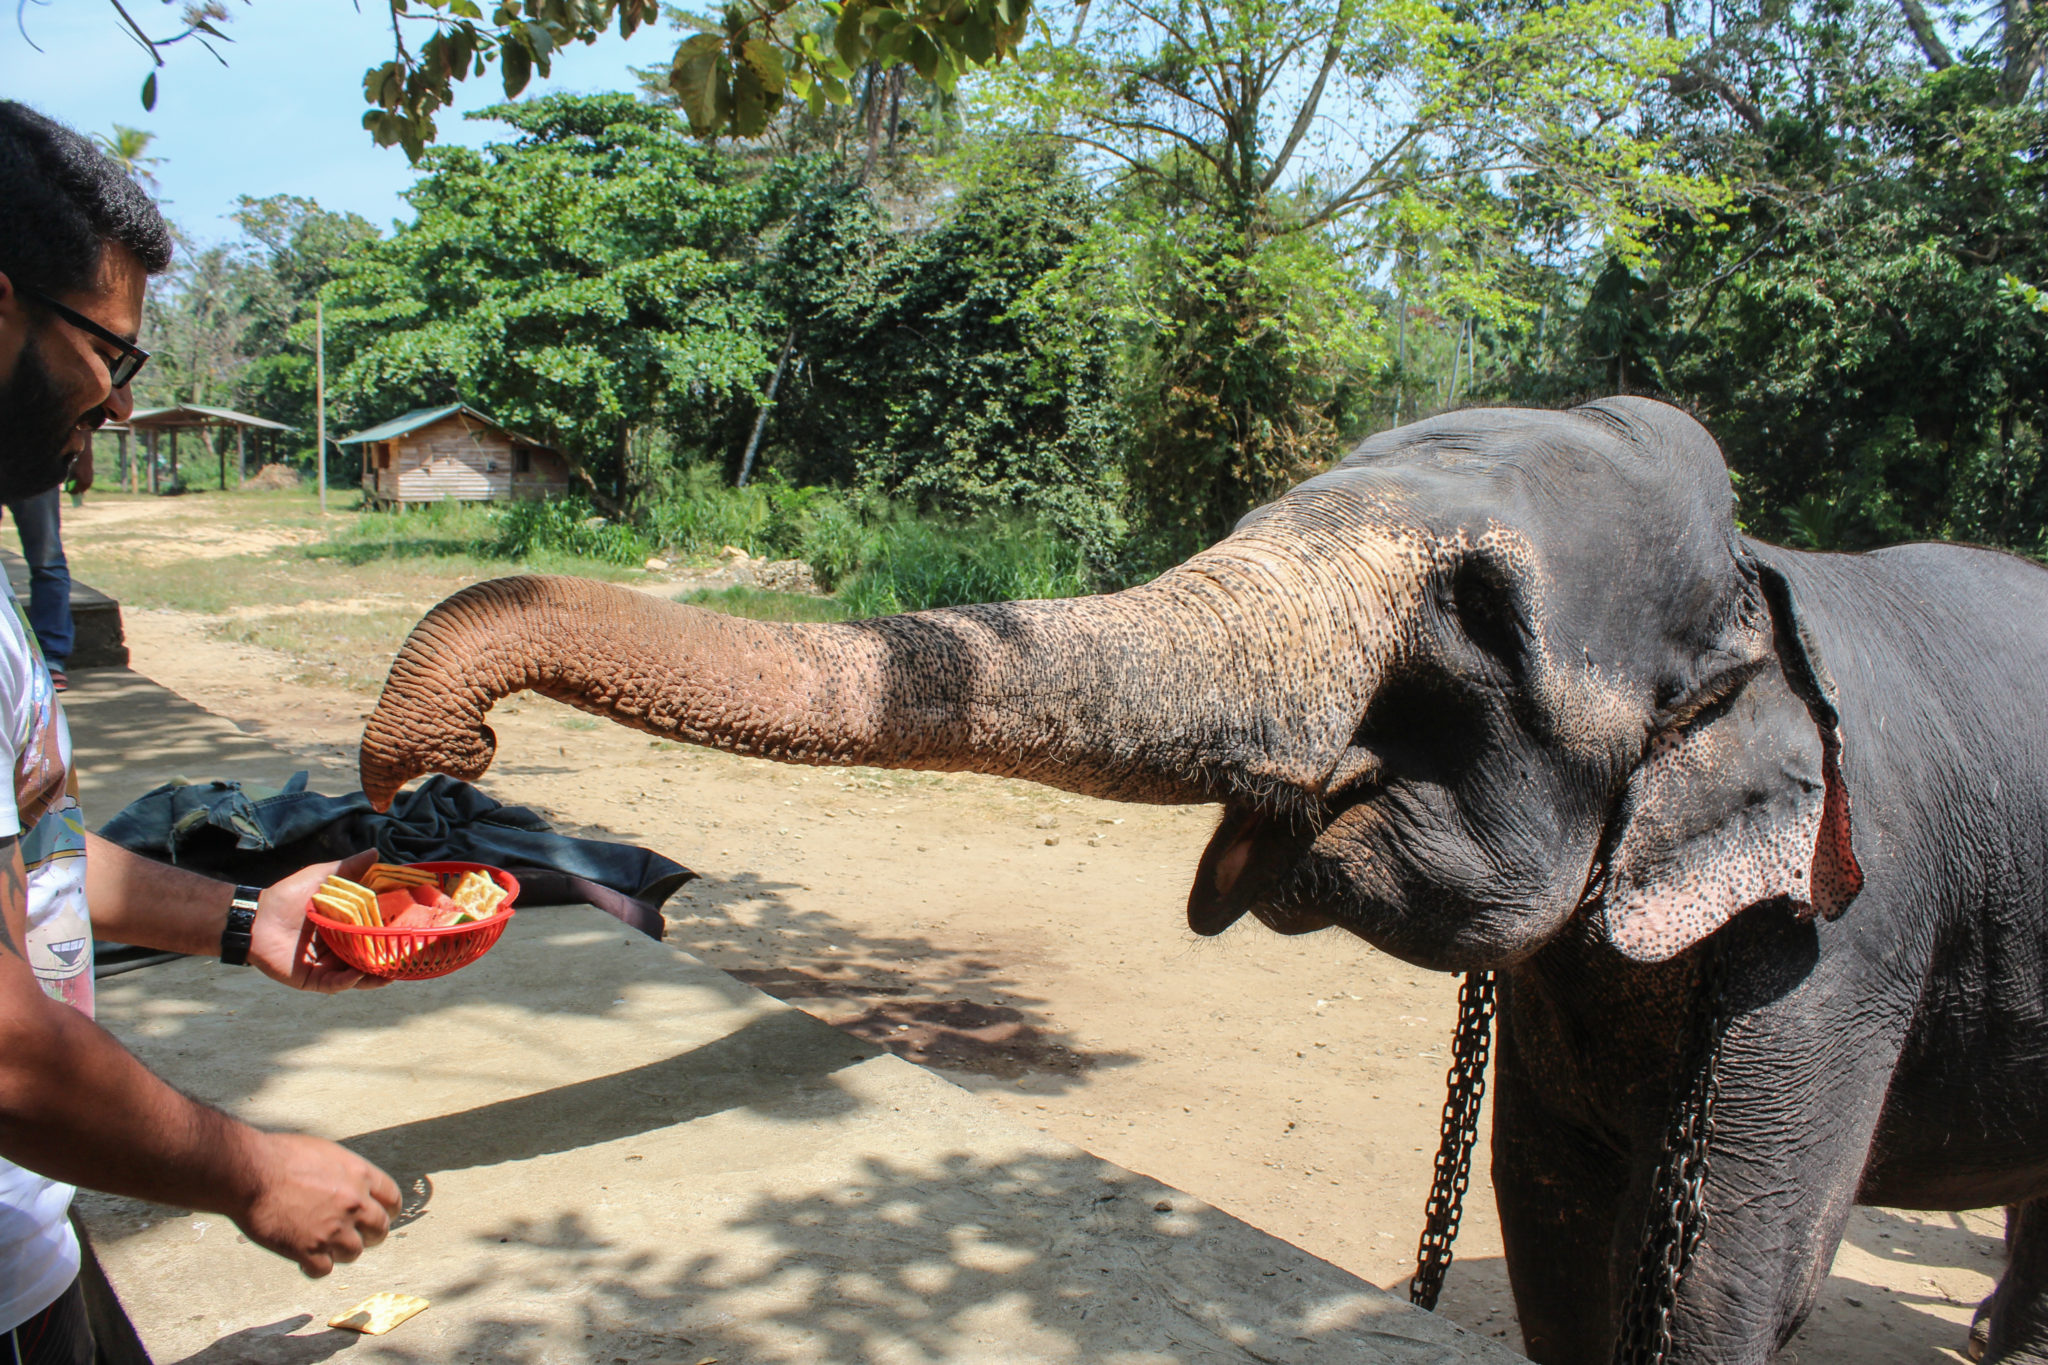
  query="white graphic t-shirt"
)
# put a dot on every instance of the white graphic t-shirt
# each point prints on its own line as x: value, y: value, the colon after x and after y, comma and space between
x: 38, y: 1251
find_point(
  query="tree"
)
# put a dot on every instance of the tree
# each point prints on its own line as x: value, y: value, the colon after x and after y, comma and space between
x: 193, y: 330
x: 1857, y: 324
x: 926, y: 371
x: 129, y: 148
x: 1276, y: 164
x: 592, y: 278
x: 292, y: 248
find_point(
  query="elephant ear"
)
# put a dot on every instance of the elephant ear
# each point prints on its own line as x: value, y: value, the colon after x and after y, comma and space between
x: 1743, y: 803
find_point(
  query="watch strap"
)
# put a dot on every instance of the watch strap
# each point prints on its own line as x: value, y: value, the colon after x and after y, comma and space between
x: 235, y: 938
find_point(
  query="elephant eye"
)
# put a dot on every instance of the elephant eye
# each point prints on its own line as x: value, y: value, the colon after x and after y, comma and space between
x: 1424, y: 726
x: 1487, y: 603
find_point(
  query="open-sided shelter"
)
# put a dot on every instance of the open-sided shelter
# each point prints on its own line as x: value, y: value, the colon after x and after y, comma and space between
x: 152, y: 424
x: 454, y: 453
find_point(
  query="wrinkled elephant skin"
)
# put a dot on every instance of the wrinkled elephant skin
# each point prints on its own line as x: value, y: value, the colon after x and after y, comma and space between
x: 1504, y: 689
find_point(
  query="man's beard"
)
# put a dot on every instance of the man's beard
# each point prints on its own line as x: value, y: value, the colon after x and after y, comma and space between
x: 35, y: 426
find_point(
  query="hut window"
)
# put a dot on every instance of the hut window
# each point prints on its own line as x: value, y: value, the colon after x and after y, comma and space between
x: 522, y: 460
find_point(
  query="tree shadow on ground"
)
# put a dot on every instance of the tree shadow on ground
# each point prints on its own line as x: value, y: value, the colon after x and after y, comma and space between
x: 946, y: 1008
x: 1053, y: 1257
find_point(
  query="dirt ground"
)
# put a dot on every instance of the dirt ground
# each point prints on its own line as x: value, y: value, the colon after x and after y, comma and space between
x: 1028, y: 944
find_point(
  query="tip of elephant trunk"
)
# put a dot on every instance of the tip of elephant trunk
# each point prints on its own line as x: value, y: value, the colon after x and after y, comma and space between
x: 390, y: 756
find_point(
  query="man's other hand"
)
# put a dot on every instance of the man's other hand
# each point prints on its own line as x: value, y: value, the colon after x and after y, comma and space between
x: 314, y: 1202
x: 284, y: 946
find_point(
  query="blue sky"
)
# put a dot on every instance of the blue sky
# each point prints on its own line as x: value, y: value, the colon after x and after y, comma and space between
x: 283, y: 117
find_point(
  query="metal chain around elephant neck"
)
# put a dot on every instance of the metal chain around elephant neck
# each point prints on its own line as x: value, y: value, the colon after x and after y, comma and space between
x: 1678, y: 1214
x: 1678, y: 1208
x: 1466, y: 1082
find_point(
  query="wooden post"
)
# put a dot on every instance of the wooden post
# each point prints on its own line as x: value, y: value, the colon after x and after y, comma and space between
x: 122, y: 466
x: 220, y: 450
x: 320, y: 391
x: 241, y: 456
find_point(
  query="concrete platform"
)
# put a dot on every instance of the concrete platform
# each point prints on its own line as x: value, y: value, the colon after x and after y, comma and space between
x: 97, y: 638
x: 614, y: 1153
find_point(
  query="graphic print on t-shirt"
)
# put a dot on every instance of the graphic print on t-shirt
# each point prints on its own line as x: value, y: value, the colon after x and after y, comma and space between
x: 53, y: 839
x: 60, y: 943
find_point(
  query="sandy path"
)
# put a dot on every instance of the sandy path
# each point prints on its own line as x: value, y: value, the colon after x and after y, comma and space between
x: 1031, y: 945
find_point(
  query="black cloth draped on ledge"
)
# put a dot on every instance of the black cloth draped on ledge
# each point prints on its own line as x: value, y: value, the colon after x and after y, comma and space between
x: 252, y: 835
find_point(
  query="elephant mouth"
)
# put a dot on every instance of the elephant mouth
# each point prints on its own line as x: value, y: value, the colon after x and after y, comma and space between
x: 1253, y: 866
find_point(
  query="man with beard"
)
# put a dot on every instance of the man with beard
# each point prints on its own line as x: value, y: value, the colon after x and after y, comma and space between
x: 78, y: 241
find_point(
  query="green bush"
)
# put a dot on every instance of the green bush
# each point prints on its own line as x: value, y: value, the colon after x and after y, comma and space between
x: 918, y: 564
x: 701, y: 515
x: 566, y: 526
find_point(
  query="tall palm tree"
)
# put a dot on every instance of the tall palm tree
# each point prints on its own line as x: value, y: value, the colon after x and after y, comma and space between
x: 129, y: 147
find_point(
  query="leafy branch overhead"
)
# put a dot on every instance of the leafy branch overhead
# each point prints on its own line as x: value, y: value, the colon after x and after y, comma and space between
x: 731, y: 79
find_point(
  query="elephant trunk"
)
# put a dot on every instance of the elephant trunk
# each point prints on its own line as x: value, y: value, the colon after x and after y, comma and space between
x: 1170, y: 692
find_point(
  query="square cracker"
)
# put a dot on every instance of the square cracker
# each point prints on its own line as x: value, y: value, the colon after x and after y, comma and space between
x: 379, y: 1313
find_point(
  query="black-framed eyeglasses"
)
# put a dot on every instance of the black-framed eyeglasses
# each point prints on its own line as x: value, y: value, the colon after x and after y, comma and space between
x: 132, y: 357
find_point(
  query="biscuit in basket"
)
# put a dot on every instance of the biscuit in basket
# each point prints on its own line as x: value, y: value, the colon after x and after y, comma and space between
x: 478, y: 894
x: 348, y: 902
x: 392, y: 876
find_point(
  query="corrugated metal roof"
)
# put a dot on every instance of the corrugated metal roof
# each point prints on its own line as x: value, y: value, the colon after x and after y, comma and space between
x: 411, y: 421
x: 420, y: 417
x: 167, y: 417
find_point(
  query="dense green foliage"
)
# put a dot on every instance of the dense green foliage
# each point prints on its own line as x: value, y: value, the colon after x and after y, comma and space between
x: 925, y: 379
x: 1857, y: 327
x: 1085, y: 313
x: 1863, y: 352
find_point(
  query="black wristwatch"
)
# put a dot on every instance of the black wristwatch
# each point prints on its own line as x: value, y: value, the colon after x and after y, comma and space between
x: 234, y: 940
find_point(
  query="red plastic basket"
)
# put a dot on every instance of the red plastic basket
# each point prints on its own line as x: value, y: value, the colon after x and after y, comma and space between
x: 417, y: 954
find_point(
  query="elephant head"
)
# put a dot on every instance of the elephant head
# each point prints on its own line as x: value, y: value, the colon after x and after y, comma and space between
x: 1493, y: 670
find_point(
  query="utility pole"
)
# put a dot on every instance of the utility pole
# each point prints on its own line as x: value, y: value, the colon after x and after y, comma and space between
x: 320, y: 392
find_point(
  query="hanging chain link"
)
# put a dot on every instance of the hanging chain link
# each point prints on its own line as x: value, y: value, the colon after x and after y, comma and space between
x: 1466, y: 1082
x: 1678, y: 1212
x: 1678, y: 1209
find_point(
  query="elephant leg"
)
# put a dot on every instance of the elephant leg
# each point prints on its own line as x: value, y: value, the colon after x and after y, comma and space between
x: 2014, y: 1320
x: 1797, y: 1112
x: 1579, y: 1131
x: 1560, y: 1191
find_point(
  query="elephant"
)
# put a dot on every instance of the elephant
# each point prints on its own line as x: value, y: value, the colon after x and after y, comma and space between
x: 1504, y: 690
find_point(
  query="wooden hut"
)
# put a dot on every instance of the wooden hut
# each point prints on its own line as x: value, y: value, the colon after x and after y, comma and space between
x: 454, y: 453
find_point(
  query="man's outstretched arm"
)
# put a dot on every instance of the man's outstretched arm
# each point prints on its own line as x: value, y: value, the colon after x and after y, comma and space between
x: 78, y: 1107
x: 153, y: 905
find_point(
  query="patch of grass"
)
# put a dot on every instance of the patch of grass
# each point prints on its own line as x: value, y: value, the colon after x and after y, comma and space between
x: 435, y: 531
x: 338, y: 649
x: 755, y: 604
x: 920, y: 564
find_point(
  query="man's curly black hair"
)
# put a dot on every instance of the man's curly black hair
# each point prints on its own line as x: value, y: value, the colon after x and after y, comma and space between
x: 62, y: 200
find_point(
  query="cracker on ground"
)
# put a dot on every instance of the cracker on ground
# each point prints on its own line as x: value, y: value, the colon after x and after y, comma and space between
x: 379, y: 1313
